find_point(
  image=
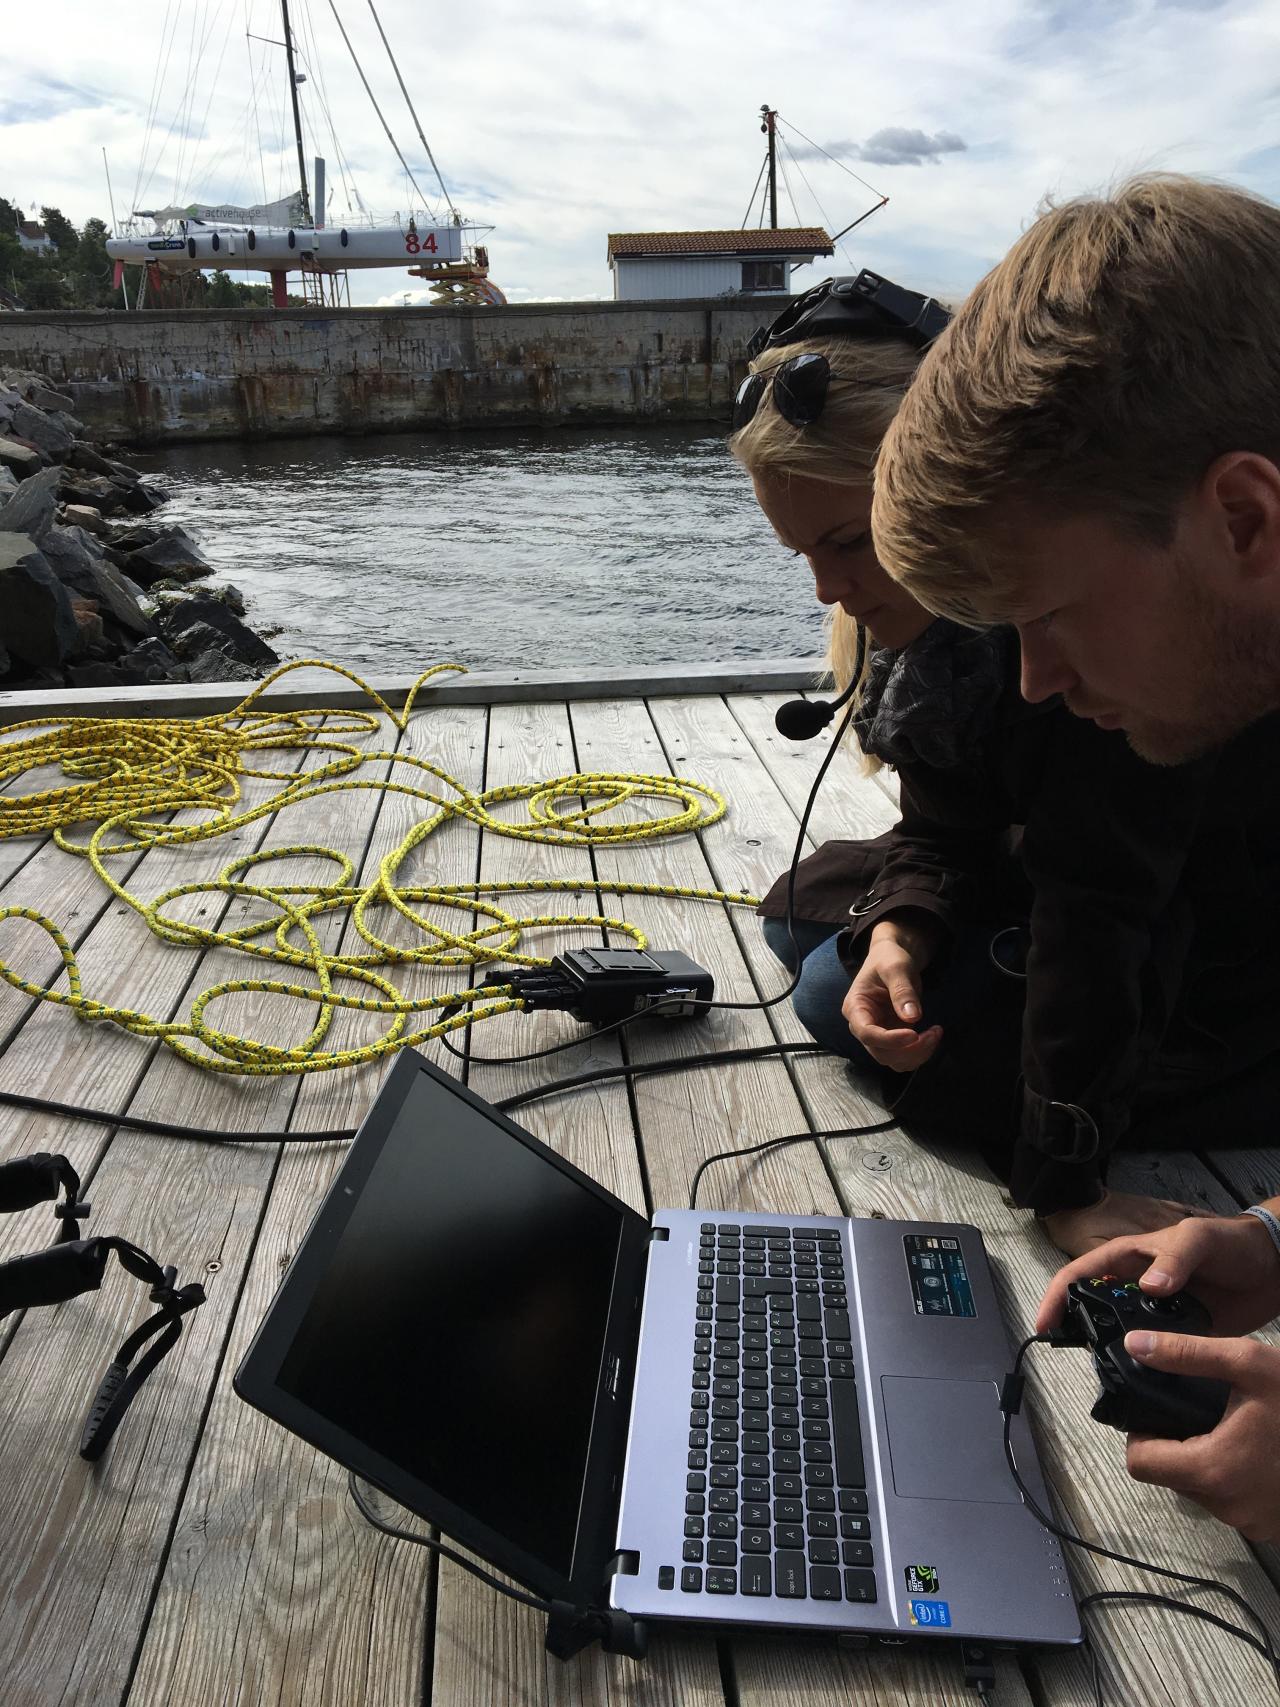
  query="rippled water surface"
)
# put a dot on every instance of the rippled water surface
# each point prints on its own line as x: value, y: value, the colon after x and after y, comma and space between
x: 602, y: 548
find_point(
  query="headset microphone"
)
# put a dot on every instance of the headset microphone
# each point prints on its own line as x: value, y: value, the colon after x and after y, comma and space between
x: 802, y: 719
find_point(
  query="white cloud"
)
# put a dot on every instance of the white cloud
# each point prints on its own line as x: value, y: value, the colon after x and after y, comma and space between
x: 558, y: 125
x: 420, y: 298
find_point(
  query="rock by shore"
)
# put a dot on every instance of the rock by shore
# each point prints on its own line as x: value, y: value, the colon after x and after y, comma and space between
x: 94, y: 591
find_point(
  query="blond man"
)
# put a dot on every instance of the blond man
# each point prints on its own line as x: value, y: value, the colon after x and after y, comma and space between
x: 1091, y: 452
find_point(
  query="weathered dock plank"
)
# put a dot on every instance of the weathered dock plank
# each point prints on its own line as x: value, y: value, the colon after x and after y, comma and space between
x: 855, y: 812
x: 324, y: 1608
x: 487, y: 1648
x: 49, y: 1053
x: 685, y: 1116
x: 71, y: 1616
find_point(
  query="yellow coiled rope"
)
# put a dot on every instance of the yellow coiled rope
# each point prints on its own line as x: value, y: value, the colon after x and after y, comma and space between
x: 122, y: 771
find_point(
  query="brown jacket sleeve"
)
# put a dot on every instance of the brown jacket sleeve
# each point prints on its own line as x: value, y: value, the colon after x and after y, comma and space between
x: 829, y: 880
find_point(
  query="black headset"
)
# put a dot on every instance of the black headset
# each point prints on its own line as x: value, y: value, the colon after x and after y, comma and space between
x: 867, y: 306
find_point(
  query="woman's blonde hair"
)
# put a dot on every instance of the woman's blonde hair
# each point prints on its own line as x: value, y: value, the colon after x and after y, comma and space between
x: 868, y: 379
x: 1124, y: 343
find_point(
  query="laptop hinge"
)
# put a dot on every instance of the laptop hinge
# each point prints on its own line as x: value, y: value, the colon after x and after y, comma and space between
x: 570, y: 1629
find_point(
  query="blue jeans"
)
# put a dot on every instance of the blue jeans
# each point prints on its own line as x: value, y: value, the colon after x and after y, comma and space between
x: 824, y: 984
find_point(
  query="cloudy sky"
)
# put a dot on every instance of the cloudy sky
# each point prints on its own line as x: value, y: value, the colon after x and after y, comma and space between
x: 558, y: 121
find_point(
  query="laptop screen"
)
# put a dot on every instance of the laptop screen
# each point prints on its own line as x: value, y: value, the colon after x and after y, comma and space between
x: 458, y: 1326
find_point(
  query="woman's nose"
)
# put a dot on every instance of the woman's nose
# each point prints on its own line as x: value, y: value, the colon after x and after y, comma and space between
x: 830, y: 584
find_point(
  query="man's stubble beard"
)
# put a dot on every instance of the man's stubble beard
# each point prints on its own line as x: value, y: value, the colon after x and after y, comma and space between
x: 1232, y: 678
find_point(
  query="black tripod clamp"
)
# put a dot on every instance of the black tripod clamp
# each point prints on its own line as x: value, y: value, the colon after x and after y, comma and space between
x: 72, y: 1265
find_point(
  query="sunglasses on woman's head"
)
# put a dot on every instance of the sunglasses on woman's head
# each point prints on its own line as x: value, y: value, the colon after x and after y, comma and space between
x: 799, y: 391
x: 865, y: 306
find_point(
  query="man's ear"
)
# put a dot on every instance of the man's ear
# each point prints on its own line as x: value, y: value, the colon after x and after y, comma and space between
x: 1241, y: 491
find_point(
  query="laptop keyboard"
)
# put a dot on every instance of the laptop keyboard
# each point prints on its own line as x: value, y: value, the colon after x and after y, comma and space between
x: 776, y: 1495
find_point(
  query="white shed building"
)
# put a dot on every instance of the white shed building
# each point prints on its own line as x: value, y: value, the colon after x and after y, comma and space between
x: 656, y: 265
x: 35, y: 239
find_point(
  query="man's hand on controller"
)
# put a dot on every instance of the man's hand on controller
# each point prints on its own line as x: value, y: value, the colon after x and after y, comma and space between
x: 1228, y: 1262
x: 1080, y: 1231
x: 1233, y: 1472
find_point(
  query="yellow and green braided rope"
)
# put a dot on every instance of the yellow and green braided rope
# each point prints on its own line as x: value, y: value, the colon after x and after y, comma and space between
x: 123, y: 771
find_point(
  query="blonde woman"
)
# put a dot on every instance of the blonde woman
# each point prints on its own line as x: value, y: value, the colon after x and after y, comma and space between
x: 1009, y: 961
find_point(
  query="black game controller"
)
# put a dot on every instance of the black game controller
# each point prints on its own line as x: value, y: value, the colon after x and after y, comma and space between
x: 1134, y: 1398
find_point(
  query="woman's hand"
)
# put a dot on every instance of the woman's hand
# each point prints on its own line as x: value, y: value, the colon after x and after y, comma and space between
x: 884, y: 1003
x: 1078, y: 1231
x: 1228, y: 1262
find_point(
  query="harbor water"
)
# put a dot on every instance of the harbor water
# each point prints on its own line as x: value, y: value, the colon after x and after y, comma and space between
x: 570, y: 550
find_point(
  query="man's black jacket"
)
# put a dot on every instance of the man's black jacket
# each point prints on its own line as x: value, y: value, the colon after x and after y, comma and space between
x: 1152, y: 895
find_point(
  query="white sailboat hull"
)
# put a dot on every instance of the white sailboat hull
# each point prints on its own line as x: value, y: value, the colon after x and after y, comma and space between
x: 335, y: 249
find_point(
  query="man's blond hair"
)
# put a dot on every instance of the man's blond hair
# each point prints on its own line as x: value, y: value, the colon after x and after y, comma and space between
x: 1124, y: 343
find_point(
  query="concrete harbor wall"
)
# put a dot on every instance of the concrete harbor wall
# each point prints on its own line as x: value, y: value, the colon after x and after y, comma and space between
x: 162, y: 376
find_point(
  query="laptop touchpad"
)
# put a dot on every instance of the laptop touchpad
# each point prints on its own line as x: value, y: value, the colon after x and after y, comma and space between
x: 946, y: 1440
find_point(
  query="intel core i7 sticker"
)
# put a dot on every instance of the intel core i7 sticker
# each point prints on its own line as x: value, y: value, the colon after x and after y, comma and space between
x: 922, y: 1579
x: 930, y: 1613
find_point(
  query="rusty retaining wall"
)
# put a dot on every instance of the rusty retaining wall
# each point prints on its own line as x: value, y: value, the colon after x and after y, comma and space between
x: 161, y: 376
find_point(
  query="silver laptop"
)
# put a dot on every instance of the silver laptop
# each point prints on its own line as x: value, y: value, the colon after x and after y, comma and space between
x: 771, y: 1421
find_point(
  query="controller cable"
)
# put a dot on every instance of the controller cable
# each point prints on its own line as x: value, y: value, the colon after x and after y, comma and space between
x: 778, y: 1144
x: 1011, y: 1396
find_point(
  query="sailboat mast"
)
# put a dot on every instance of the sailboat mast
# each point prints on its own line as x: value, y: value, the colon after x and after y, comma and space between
x: 297, y: 115
x: 768, y: 114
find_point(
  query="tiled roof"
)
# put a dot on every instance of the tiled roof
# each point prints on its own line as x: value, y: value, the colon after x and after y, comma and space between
x: 794, y: 240
x: 29, y: 228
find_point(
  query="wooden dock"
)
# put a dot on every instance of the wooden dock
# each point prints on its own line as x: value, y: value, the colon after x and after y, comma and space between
x: 210, y: 1558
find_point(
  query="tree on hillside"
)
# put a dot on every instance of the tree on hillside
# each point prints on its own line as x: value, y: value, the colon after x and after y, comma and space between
x: 77, y: 276
x: 94, y: 269
x: 42, y: 286
x: 221, y: 292
x: 62, y: 234
x: 11, y: 252
x: 80, y: 274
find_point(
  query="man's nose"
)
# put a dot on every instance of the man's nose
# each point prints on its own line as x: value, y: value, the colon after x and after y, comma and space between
x: 1044, y: 671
